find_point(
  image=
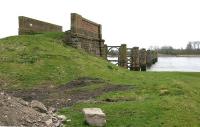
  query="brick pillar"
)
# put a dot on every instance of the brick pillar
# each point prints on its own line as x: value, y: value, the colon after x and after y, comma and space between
x: 71, y: 36
x: 135, y: 64
x: 100, y: 31
x: 122, y: 57
x: 102, y: 50
x: 143, y: 64
x: 149, y: 58
x: 75, y: 23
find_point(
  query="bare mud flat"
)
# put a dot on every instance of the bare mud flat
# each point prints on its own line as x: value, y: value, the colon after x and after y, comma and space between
x: 82, y: 89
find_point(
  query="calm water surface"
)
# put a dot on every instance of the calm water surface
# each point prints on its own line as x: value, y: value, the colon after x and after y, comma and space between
x: 186, y: 64
x: 183, y: 64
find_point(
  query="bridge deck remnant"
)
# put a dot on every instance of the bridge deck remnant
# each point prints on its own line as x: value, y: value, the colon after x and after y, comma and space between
x: 32, y: 26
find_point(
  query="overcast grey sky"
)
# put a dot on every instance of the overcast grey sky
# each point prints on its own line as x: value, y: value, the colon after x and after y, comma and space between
x: 135, y: 22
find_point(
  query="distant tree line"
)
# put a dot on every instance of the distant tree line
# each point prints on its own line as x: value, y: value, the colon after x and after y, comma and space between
x: 192, y: 48
x: 193, y: 45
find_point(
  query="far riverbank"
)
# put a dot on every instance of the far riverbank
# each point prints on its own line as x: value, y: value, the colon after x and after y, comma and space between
x: 167, y: 55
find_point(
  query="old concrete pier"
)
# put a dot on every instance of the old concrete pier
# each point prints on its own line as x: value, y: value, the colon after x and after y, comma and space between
x: 143, y: 63
x: 122, y: 57
x: 134, y: 58
x: 135, y: 61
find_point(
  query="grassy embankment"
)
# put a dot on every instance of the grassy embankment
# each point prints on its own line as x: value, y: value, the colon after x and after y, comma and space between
x: 33, y: 60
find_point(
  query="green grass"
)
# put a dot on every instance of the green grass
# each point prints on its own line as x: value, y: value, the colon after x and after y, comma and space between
x: 143, y: 106
x: 32, y: 60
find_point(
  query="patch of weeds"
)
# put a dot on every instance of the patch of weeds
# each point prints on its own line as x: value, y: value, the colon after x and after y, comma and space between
x: 119, y: 96
x: 110, y: 67
x: 177, y: 92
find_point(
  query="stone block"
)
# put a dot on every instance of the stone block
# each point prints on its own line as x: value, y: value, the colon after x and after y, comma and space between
x: 38, y: 106
x: 94, y: 117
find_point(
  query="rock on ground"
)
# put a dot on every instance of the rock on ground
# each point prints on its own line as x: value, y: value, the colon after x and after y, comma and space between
x: 164, y: 92
x: 38, y: 106
x: 94, y: 117
x: 17, y: 112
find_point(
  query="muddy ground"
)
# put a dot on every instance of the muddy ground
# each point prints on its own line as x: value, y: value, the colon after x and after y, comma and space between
x: 68, y: 94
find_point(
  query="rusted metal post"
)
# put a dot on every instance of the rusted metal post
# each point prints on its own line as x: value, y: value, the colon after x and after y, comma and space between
x: 149, y: 58
x: 135, y: 64
x: 122, y: 56
x: 143, y: 64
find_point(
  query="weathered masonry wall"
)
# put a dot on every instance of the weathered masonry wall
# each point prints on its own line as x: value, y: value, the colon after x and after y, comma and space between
x: 30, y: 26
x: 85, y: 27
x: 86, y: 35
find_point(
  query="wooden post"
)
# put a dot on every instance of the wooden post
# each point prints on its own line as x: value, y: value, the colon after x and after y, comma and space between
x: 143, y: 64
x: 122, y: 58
x: 149, y: 58
x: 135, y: 65
x: 100, y: 49
x: 105, y: 51
x: 156, y: 60
x: 154, y: 56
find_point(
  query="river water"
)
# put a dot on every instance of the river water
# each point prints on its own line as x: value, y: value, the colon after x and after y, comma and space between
x: 182, y: 64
